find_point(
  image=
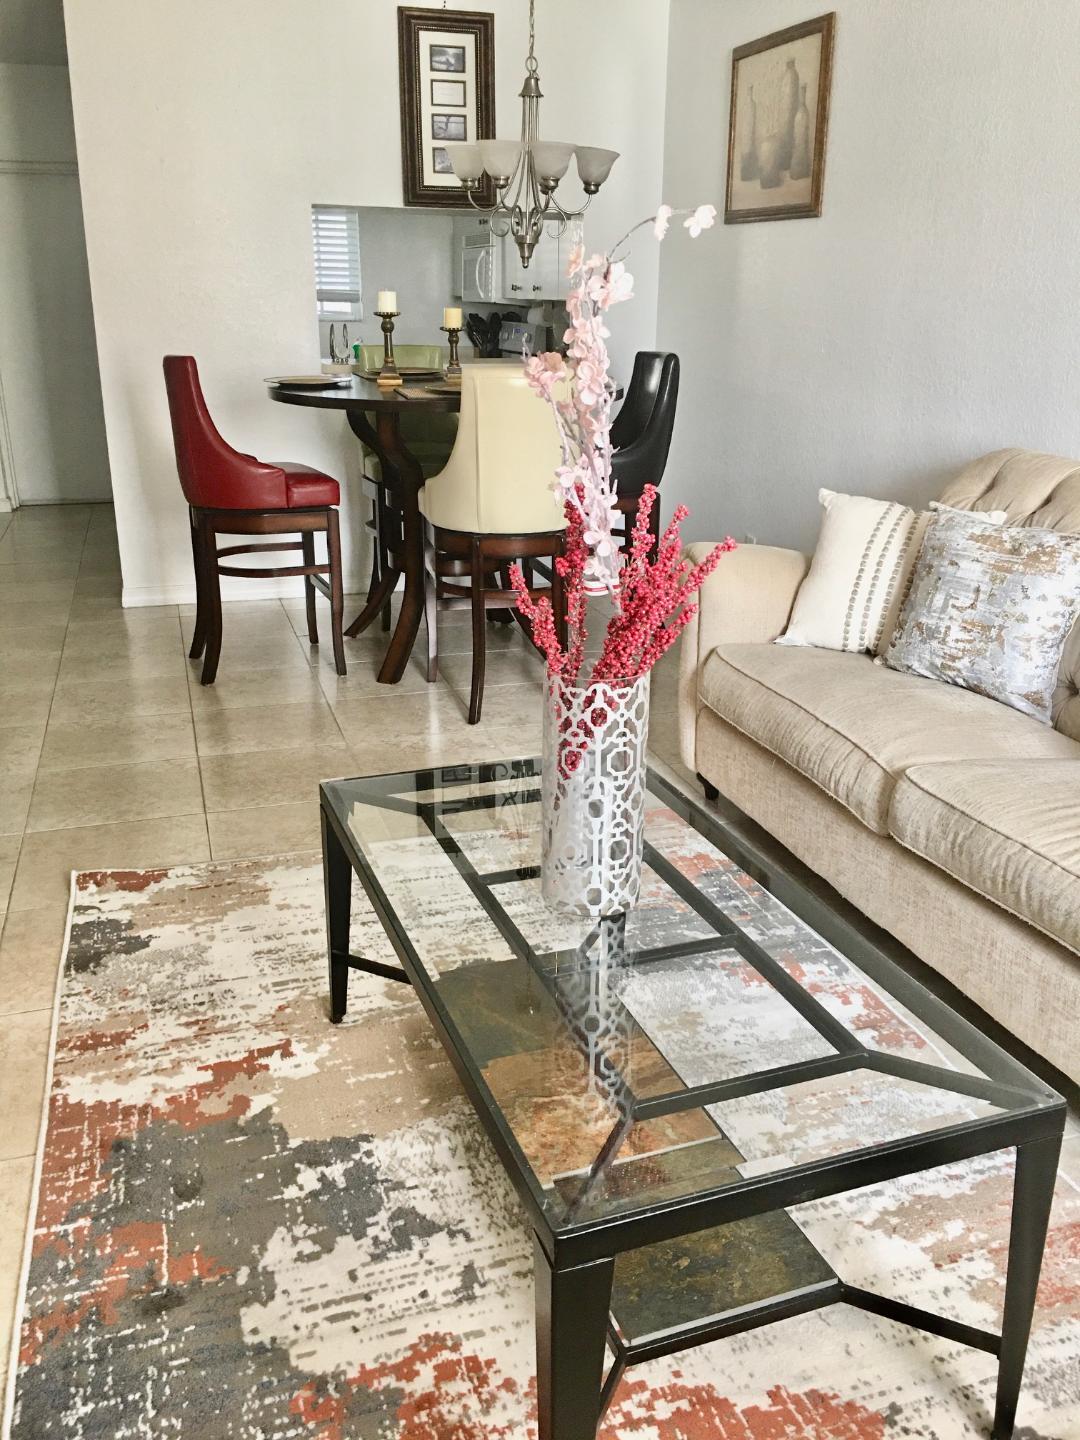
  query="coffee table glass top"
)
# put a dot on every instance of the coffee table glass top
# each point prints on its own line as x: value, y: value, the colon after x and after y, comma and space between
x: 708, y: 1037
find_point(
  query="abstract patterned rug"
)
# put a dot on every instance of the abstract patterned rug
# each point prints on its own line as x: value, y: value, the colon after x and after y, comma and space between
x: 254, y: 1226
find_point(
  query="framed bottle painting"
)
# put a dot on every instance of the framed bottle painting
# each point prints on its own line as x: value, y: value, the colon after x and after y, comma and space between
x: 446, y: 63
x: 779, y: 117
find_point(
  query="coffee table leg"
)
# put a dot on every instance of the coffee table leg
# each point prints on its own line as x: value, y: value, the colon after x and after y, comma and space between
x: 571, y: 1334
x: 1033, y: 1193
x: 337, y: 885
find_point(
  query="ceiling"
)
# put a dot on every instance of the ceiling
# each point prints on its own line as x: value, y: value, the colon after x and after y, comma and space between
x: 32, y: 32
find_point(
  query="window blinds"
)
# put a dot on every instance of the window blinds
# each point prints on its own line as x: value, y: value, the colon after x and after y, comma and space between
x: 335, y: 233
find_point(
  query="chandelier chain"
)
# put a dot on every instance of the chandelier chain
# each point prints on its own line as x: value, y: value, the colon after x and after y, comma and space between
x: 530, y: 63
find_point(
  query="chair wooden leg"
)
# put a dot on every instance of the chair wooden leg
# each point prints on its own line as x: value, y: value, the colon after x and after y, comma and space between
x: 212, y: 583
x: 431, y: 611
x: 307, y: 546
x: 337, y: 594
x: 500, y: 580
x: 479, y: 632
x: 198, y: 639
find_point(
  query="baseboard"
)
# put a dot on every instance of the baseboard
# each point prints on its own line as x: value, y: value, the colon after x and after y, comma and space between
x: 5, y: 505
x: 52, y: 501
x: 136, y: 596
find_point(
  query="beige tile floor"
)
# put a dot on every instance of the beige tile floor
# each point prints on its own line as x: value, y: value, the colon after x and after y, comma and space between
x: 112, y: 754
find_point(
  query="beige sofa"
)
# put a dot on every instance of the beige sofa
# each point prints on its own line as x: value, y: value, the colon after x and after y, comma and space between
x: 951, y: 820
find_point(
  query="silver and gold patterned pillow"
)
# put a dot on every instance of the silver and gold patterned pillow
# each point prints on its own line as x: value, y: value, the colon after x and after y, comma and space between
x: 989, y: 609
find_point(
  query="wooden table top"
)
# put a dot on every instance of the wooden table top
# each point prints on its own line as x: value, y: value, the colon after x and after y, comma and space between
x: 361, y: 394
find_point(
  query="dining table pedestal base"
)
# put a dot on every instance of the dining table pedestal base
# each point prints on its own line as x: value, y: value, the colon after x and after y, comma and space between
x: 374, y: 415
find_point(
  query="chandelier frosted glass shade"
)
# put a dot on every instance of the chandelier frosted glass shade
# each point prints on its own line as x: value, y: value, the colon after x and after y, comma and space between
x: 594, y: 165
x: 500, y: 158
x: 465, y: 160
x: 552, y: 158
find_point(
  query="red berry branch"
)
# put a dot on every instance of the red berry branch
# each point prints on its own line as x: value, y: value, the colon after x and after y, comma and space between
x: 653, y: 598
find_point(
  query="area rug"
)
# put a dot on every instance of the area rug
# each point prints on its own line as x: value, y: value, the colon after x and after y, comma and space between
x: 251, y: 1225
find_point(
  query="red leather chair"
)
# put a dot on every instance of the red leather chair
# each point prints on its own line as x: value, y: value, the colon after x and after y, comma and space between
x: 229, y: 493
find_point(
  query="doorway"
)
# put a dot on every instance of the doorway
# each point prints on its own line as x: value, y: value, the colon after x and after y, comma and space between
x: 52, y: 430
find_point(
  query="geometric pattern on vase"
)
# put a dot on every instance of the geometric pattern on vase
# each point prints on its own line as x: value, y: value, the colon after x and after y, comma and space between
x: 593, y: 792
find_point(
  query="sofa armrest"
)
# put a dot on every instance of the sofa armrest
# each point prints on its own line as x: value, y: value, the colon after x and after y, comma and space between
x: 747, y: 598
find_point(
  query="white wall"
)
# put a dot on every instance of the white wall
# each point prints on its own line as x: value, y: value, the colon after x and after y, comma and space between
x: 929, y: 315
x: 205, y: 133
x: 53, y: 445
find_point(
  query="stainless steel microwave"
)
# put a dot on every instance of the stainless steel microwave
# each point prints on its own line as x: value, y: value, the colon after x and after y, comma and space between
x: 480, y: 262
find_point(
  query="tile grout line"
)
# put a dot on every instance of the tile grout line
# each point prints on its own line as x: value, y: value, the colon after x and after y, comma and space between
x: 40, y: 1009
x: 52, y: 699
x: 189, y: 672
x: 315, y: 666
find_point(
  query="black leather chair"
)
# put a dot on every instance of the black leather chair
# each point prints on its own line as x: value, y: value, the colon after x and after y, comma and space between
x: 641, y: 432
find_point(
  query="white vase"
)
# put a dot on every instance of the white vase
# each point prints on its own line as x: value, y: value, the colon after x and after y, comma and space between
x: 789, y: 104
x: 770, y: 171
x: 593, y: 794
x: 800, y: 150
x: 748, y: 162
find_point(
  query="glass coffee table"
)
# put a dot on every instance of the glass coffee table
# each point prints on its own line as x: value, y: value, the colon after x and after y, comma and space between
x: 662, y: 1087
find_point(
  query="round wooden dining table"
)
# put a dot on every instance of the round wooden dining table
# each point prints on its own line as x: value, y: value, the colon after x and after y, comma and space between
x: 374, y: 415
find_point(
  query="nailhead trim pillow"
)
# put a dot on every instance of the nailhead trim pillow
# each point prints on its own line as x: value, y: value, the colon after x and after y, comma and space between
x: 990, y: 609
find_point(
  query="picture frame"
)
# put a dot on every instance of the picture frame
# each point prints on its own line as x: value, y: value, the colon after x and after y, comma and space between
x: 447, y: 125
x: 446, y: 66
x: 778, y: 123
x: 448, y: 92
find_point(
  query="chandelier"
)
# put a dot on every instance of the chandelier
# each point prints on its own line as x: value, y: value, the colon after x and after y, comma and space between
x: 526, y: 172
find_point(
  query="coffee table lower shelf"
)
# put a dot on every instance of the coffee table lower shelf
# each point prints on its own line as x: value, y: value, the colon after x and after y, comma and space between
x: 655, y: 1290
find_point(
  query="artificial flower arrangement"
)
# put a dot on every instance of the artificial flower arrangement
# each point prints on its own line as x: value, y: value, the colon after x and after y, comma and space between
x: 652, y: 593
x: 596, y: 726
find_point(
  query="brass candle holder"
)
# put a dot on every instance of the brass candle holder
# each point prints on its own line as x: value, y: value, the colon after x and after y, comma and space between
x: 453, y: 369
x: 388, y: 377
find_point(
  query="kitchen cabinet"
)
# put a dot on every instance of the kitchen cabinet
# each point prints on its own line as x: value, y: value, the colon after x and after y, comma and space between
x: 545, y: 279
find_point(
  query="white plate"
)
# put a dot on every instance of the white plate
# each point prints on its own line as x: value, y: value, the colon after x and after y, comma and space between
x: 314, y: 382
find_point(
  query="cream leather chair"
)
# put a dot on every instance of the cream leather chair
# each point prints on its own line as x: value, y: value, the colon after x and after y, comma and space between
x: 493, y: 503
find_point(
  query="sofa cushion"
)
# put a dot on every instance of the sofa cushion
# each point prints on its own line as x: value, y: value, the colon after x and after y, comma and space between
x: 1010, y: 830
x: 854, y: 727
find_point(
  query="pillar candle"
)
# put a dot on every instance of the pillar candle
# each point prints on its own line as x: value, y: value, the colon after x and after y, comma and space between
x: 451, y: 317
x: 387, y: 301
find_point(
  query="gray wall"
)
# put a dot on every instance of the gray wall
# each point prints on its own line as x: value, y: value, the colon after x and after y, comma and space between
x: 53, y: 430
x: 929, y: 315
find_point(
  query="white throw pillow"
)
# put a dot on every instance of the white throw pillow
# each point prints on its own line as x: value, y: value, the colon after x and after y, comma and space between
x: 853, y: 594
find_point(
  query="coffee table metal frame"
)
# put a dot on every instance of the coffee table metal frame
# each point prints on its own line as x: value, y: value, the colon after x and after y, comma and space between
x: 575, y: 1262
